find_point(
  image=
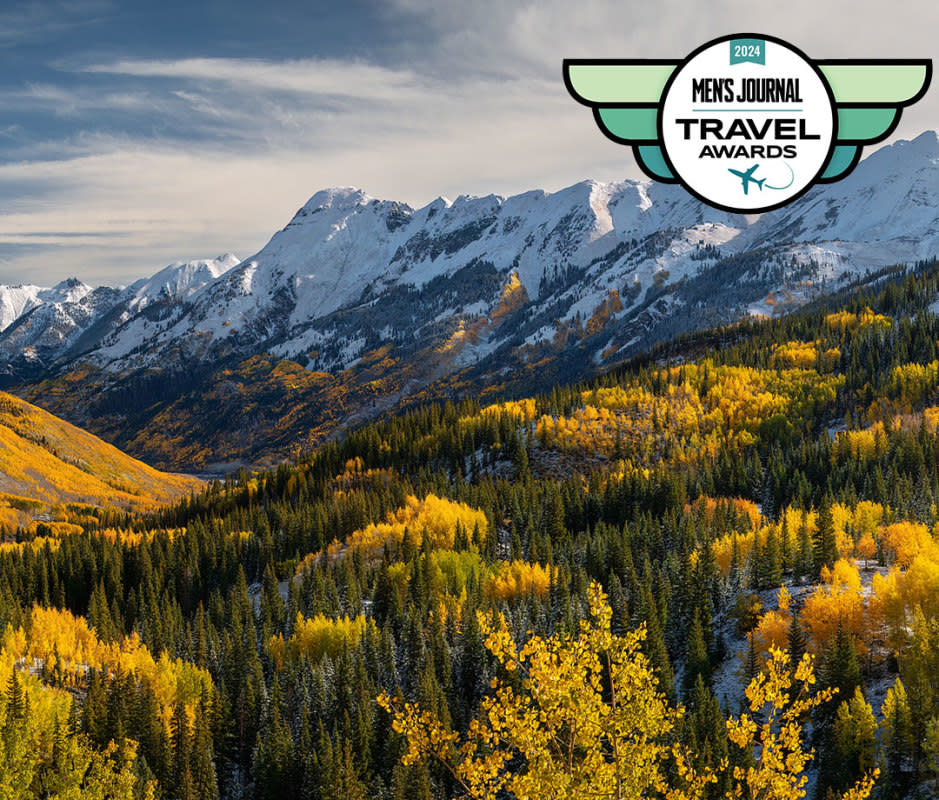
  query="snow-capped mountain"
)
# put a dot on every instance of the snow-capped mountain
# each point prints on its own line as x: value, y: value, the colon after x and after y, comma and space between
x: 483, y: 282
x: 15, y: 301
x: 42, y: 327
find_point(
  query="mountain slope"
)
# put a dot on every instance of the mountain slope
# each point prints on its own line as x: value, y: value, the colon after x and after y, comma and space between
x: 45, y: 461
x: 381, y: 303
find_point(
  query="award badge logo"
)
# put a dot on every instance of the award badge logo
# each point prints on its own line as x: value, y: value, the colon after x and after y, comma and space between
x: 747, y: 122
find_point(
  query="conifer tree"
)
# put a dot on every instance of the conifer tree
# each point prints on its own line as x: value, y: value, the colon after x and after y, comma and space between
x: 16, y: 699
x: 825, y: 547
x: 697, y: 662
x: 205, y: 784
x: 898, y: 746
x: 796, y: 640
x: 181, y: 743
x: 840, y: 669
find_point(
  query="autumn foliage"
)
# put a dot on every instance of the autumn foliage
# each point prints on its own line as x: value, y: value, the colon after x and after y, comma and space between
x: 588, y: 719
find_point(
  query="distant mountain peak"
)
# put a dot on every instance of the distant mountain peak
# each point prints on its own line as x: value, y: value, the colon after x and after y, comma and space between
x: 337, y: 197
x: 69, y: 283
x: 926, y: 143
x: 905, y: 154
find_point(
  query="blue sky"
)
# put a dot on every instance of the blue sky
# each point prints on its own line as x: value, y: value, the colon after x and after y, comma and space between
x: 133, y: 134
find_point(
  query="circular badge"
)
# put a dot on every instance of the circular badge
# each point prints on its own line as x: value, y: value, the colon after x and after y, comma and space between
x: 747, y: 123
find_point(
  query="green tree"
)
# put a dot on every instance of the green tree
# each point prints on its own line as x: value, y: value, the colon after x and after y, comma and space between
x: 825, y: 546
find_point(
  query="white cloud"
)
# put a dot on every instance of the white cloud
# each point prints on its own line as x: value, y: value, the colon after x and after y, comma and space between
x: 309, y: 77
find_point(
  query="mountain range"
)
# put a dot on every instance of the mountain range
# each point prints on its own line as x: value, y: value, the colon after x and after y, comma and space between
x: 360, y: 305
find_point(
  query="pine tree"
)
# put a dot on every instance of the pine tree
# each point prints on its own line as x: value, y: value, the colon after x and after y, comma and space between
x: 205, y: 784
x: 99, y: 613
x: 751, y: 663
x: 897, y: 742
x: 840, y: 669
x: 825, y: 547
x: 708, y: 731
x: 411, y: 783
x: 654, y: 647
x: 16, y: 699
x: 274, y: 762
x: 855, y: 735
x: 805, y: 558
x: 181, y: 744
x: 796, y: 640
x: 771, y: 566
x: 697, y: 663
x: 94, y: 712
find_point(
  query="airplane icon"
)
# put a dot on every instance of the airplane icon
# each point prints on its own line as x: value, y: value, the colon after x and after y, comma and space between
x: 747, y: 178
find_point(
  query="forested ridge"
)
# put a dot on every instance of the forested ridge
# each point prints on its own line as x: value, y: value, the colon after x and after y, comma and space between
x: 766, y: 487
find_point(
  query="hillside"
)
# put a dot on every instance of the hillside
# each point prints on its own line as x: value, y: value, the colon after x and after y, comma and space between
x: 382, y: 304
x: 46, y: 463
x: 769, y: 485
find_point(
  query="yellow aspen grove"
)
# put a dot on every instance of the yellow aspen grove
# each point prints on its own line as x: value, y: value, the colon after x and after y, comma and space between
x: 588, y: 721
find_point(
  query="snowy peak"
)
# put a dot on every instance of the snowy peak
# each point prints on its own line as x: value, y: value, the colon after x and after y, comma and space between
x: 71, y: 290
x: 39, y: 326
x: 180, y: 280
x: 924, y: 146
x: 342, y: 198
x: 15, y: 301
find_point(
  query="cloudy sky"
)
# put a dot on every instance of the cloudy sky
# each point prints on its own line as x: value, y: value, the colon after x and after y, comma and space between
x: 133, y: 134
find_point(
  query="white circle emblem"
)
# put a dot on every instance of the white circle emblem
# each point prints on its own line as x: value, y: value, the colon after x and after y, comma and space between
x: 748, y: 130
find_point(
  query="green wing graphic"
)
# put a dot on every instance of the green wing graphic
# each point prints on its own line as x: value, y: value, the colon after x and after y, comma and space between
x: 625, y: 97
x: 869, y: 97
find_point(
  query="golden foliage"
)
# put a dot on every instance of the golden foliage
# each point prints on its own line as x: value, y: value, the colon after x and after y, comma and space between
x: 863, y: 445
x: 806, y: 355
x: 316, y: 637
x: 846, y: 321
x: 904, y: 541
x: 700, y: 409
x: 778, y: 699
x: 900, y: 594
x: 42, y: 759
x: 741, y: 506
x: 604, y: 311
x: 574, y: 740
x: 522, y: 410
x: 46, y: 461
x: 911, y: 383
x: 772, y: 631
x: 510, y: 581
x: 582, y: 716
x: 66, y: 646
x: 512, y: 298
x: 433, y: 518
x: 931, y: 418
x: 858, y: 530
x: 839, y: 601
